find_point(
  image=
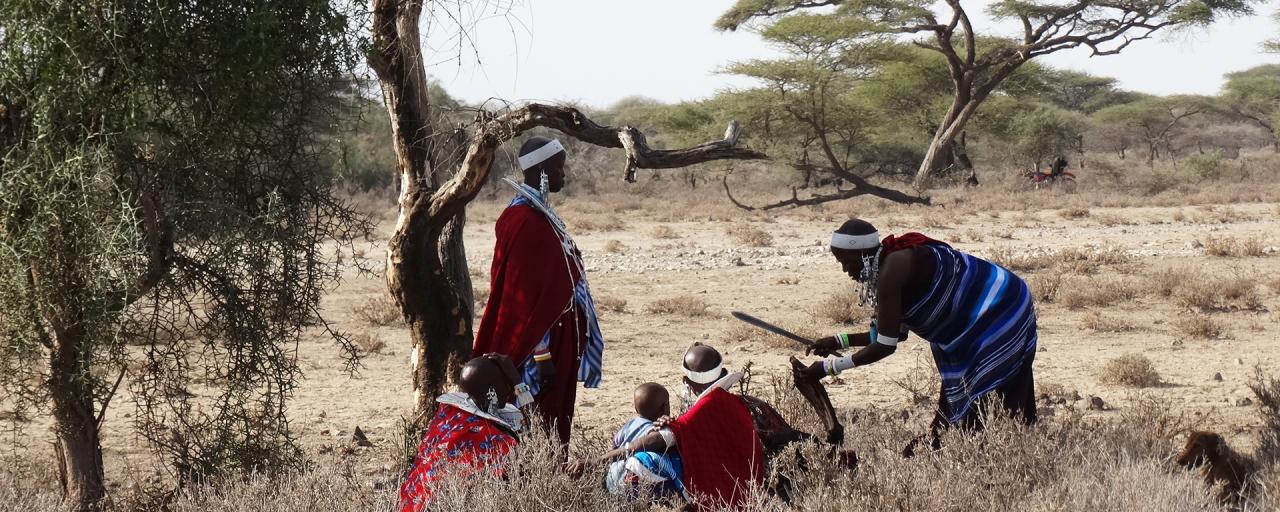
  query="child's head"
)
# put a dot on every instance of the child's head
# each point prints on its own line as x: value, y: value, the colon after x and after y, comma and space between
x: 652, y: 401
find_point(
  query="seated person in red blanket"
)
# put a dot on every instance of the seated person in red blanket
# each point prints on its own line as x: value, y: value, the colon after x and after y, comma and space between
x: 716, y: 438
x: 473, y: 429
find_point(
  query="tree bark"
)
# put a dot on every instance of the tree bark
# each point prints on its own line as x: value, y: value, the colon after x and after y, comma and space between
x: 78, y: 446
x: 426, y: 262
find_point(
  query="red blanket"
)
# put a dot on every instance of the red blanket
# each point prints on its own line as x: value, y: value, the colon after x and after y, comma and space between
x: 893, y: 243
x: 456, y: 440
x: 722, y: 455
x: 530, y: 286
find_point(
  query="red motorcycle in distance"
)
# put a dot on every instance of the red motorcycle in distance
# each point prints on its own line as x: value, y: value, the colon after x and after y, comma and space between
x: 1057, y: 177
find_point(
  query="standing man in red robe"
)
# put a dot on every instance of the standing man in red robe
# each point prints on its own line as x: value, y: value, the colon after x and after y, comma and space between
x: 540, y: 311
x: 716, y: 438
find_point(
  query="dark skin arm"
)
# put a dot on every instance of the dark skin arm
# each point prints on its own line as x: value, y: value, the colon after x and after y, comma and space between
x: 894, y: 273
x: 651, y: 442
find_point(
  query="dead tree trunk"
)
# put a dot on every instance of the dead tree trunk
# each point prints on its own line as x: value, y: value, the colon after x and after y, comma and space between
x: 426, y: 265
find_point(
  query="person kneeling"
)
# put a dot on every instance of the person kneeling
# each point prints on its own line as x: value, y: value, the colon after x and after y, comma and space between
x: 473, y: 431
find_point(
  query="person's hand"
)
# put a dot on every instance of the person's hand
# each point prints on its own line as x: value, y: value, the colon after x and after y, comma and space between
x: 662, y: 423
x: 823, y: 347
x: 814, y: 371
x: 546, y: 375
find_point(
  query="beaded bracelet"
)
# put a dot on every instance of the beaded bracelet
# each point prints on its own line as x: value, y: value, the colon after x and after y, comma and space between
x: 843, y: 338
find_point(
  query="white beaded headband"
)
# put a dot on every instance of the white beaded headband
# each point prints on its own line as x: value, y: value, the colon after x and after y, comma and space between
x: 855, y: 242
x: 541, y: 154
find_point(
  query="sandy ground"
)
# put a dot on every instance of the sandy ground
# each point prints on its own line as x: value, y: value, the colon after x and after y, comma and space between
x: 787, y: 282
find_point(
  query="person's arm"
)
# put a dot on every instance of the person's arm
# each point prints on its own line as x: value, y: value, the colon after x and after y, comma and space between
x: 651, y: 442
x: 888, y: 326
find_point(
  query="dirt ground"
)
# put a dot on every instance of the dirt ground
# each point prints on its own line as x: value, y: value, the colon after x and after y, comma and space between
x: 641, y: 258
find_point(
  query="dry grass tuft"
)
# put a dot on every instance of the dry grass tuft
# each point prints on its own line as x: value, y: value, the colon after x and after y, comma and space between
x: 369, y: 342
x: 1198, y: 326
x: 1207, y: 293
x: 842, y: 307
x: 1074, y: 213
x: 1045, y: 287
x: 796, y: 280
x: 380, y: 311
x: 1228, y: 246
x: 614, y: 247
x: 682, y: 305
x: 1111, y: 219
x: 1133, y: 370
x: 663, y: 232
x: 481, y: 295
x: 1098, y: 292
x: 750, y: 236
x: 588, y: 224
x: 1164, y: 282
x: 1098, y: 322
x: 1274, y: 284
x: 920, y: 382
x: 611, y: 304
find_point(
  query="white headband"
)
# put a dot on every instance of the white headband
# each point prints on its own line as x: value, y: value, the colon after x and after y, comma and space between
x: 855, y: 242
x: 540, y: 155
x: 706, y: 377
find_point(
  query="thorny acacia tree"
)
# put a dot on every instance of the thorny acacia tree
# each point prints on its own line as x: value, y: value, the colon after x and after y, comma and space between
x: 976, y: 69
x: 165, y: 203
x: 426, y: 264
x: 810, y: 105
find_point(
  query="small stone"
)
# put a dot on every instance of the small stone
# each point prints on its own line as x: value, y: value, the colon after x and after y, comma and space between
x: 1244, y: 402
x: 323, y: 414
x: 1075, y: 396
x: 904, y: 415
x: 1217, y: 376
x: 359, y: 438
x: 1096, y: 403
x: 737, y: 262
x: 1239, y: 361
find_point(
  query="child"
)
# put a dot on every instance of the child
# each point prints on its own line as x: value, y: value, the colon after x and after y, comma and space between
x: 658, y: 470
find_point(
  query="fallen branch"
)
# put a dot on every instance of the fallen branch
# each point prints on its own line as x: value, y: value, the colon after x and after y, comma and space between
x: 858, y: 190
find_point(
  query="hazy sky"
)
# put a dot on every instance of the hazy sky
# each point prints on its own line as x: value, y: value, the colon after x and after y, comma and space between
x: 599, y: 51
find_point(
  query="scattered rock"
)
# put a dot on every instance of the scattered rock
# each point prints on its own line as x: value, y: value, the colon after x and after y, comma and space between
x: 1244, y: 402
x: 359, y: 438
x: 1217, y: 376
x: 1270, y: 249
x: 1194, y: 244
x: 1096, y: 403
x: 1075, y: 396
x: 904, y: 415
x: 1240, y: 361
x: 324, y: 414
x: 737, y: 262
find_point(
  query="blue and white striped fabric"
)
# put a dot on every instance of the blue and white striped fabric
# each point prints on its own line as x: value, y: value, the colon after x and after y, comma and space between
x: 980, y: 322
x: 662, y: 471
x: 591, y: 366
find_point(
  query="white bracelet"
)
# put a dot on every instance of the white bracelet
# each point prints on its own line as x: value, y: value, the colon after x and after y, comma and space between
x: 886, y: 340
x: 839, y: 364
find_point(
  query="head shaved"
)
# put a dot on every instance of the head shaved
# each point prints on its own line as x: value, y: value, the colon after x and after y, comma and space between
x: 652, y: 401
x: 701, y: 358
x: 479, y: 376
